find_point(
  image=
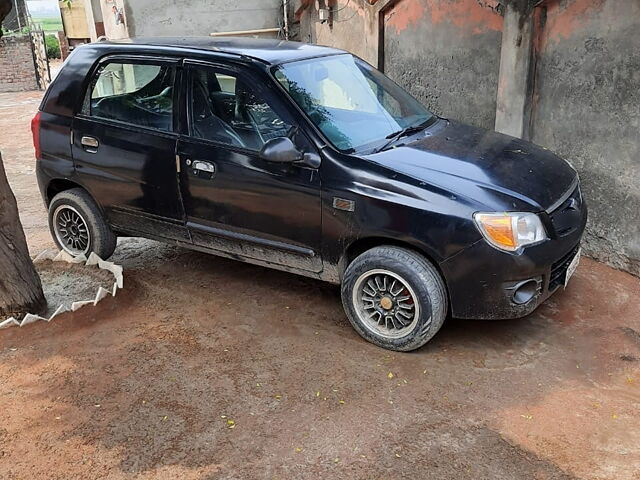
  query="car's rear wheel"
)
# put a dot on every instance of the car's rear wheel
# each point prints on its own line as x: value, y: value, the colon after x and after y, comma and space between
x: 78, y: 226
x: 394, y: 298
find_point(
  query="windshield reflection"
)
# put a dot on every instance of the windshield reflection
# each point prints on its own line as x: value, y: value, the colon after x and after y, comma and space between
x: 354, y: 105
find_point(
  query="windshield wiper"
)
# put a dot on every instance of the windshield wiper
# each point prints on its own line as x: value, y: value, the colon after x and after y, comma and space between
x: 395, y: 136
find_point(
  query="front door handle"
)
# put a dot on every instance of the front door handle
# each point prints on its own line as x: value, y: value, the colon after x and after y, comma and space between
x: 90, y: 144
x: 202, y: 166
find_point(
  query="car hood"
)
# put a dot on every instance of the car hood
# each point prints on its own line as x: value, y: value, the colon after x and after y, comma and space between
x: 498, y: 170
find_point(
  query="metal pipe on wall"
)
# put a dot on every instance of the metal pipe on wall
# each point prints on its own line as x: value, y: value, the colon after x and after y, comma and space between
x: 15, y: 8
x: 285, y: 4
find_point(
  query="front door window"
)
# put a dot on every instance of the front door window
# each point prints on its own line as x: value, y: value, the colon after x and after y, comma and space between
x: 227, y: 110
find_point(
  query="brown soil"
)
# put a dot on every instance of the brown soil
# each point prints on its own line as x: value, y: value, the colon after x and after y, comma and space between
x: 145, y: 385
x: 64, y: 283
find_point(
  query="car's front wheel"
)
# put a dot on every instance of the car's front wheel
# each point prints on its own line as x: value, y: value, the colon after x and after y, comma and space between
x: 394, y: 298
x: 78, y: 226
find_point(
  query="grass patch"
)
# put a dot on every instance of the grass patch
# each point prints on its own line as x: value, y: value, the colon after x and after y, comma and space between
x: 49, y: 24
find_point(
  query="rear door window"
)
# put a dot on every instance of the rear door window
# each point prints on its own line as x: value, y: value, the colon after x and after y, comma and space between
x: 137, y: 94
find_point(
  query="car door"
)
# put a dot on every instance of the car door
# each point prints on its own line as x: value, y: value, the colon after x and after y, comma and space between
x: 234, y: 200
x: 124, y: 145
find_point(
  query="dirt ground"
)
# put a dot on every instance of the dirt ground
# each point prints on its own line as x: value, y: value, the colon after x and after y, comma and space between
x: 207, y: 368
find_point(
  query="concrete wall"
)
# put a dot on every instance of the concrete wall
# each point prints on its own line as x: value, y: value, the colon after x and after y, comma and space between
x: 587, y: 108
x: 197, y: 17
x: 74, y: 18
x: 115, y: 20
x: 447, y: 53
x: 82, y: 20
x: 352, y: 28
x: 578, y: 91
x: 96, y: 16
x: 17, y: 70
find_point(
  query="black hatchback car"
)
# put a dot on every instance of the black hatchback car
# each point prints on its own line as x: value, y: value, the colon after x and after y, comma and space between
x: 306, y: 159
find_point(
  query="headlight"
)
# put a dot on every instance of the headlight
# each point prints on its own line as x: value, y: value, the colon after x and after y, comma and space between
x: 510, y: 231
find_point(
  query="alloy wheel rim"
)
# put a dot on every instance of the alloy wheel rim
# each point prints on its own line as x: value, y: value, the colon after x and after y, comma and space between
x: 71, y: 230
x: 386, y: 304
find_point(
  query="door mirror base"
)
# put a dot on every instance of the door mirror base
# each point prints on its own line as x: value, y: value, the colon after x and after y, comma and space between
x: 309, y: 160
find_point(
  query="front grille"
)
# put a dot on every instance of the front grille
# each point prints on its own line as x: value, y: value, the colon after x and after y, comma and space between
x: 559, y: 269
x: 566, y: 218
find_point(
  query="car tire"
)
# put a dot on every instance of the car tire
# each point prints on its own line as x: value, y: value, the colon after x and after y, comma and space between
x: 394, y: 298
x: 75, y: 209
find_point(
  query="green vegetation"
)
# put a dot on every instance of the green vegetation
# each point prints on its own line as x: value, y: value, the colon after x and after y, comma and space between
x: 49, y: 24
x: 53, y: 46
x: 22, y: 31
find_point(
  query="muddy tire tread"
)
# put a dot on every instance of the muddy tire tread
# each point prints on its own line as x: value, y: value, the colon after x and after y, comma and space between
x: 425, y: 279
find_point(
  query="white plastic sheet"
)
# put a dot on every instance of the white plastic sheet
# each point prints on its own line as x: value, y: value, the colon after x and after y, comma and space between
x: 102, y: 293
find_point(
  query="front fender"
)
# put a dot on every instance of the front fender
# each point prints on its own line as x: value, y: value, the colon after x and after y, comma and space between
x: 363, y: 200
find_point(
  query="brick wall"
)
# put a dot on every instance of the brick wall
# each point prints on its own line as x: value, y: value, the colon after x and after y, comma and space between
x: 17, y: 72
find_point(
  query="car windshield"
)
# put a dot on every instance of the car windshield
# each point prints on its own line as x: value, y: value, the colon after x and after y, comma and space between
x: 355, y: 106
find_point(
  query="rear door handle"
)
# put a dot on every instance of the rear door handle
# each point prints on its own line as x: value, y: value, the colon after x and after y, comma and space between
x: 90, y: 144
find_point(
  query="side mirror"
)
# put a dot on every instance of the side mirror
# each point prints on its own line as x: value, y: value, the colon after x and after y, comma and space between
x: 280, y: 150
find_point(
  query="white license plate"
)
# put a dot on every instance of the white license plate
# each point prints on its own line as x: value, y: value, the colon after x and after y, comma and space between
x: 571, y: 269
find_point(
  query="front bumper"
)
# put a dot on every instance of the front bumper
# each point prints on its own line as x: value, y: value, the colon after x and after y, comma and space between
x: 482, y: 280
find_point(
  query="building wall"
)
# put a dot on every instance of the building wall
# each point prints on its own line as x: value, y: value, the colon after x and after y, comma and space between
x: 447, y: 54
x: 587, y: 109
x: 96, y: 9
x: 195, y: 17
x: 96, y: 17
x: 583, y: 83
x: 17, y: 71
x: 115, y: 20
x: 74, y: 18
x: 350, y: 29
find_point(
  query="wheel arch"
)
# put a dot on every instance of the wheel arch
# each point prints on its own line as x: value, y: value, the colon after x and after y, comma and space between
x: 59, y: 185
x: 361, y: 245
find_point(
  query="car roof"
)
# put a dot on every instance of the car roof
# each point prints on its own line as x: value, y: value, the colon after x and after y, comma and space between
x: 267, y: 50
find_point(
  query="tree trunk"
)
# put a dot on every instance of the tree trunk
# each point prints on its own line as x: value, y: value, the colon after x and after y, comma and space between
x: 16, y: 18
x: 20, y: 287
x: 5, y: 8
